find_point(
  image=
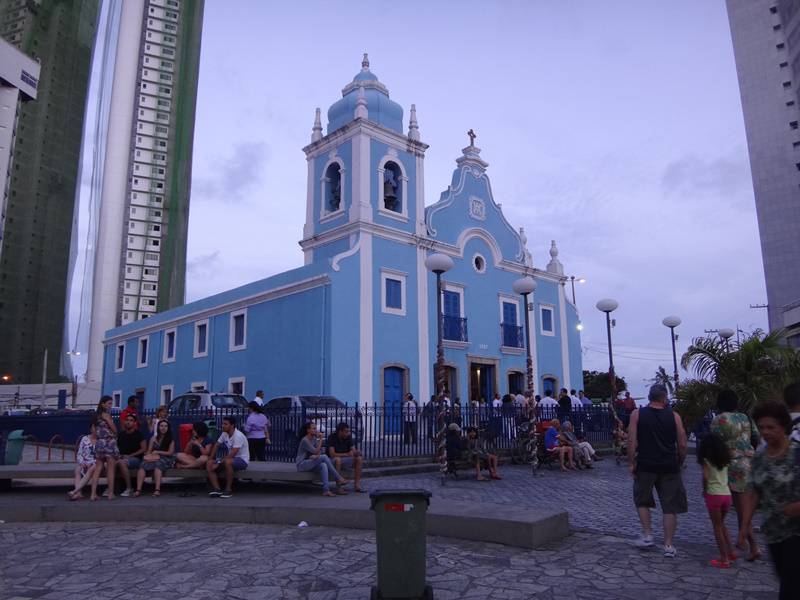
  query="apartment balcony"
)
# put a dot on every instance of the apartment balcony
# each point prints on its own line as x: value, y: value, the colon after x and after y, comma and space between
x: 513, y: 336
x: 454, y: 329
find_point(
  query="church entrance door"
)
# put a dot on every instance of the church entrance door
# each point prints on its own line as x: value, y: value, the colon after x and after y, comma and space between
x: 481, y: 381
x: 392, y: 399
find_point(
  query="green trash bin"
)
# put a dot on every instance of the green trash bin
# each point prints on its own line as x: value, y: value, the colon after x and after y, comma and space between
x: 401, y: 540
x: 14, y: 445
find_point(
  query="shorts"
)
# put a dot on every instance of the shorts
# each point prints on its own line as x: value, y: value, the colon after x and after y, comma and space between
x: 238, y: 464
x: 718, y: 502
x: 346, y: 462
x: 671, y: 493
x: 134, y: 462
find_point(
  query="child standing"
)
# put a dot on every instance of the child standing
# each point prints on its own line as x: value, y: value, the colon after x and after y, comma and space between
x: 714, y: 456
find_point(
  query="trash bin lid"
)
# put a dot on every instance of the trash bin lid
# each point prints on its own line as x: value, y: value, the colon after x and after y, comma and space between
x: 376, y: 495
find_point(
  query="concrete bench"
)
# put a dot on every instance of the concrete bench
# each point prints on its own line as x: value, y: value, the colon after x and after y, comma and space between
x: 256, y: 471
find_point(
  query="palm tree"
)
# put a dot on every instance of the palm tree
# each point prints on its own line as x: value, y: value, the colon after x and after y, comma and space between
x: 757, y: 368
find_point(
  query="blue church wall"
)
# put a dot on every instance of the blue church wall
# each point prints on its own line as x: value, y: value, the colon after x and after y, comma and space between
x: 407, y: 162
x: 344, y: 327
x: 326, y: 252
x: 548, y: 347
x: 395, y: 336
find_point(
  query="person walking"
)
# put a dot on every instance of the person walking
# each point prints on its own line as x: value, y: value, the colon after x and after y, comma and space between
x: 409, y: 420
x: 739, y: 434
x: 656, y: 451
x: 714, y: 458
x: 775, y: 491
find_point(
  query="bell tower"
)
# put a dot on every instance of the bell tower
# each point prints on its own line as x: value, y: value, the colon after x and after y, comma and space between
x: 363, y: 170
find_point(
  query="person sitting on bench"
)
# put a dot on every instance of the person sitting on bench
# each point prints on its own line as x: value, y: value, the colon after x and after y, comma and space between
x: 195, y: 453
x: 344, y: 453
x: 551, y: 442
x: 480, y: 455
x: 232, y: 454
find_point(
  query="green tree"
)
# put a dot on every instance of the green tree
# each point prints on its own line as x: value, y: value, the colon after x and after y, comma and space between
x: 663, y: 378
x: 596, y: 384
x: 757, y: 368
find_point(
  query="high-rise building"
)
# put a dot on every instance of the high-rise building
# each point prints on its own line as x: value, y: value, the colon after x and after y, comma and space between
x: 140, y: 262
x: 35, y: 245
x: 766, y: 44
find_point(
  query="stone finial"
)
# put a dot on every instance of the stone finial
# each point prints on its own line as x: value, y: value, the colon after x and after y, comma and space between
x: 365, y: 63
x: 527, y: 259
x: 316, y: 131
x: 413, y: 126
x: 361, y: 104
x: 554, y: 266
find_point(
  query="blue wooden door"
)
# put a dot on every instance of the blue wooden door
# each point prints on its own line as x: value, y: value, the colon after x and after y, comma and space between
x: 392, y: 399
x: 509, y: 313
x: 452, y: 304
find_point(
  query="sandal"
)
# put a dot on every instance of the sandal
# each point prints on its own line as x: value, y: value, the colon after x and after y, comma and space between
x: 481, y: 478
x: 755, y: 556
x: 74, y: 495
x: 719, y: 564
x: 137, y: 493
x: 342, y: 482
x: 361, y: 490
x: 496, y: 477
x: 156, y: 493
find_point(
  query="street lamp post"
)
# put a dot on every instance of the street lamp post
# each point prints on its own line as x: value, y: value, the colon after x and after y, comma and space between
x: 672, y: 322
x: 572, y: 280
x: 726, y: 333
x: 439, y: 263
x: 607, y: 305
x: 525, y: 286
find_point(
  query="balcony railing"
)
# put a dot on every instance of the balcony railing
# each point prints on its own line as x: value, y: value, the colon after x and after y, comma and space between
x: 455, y: 329
x: 512, y: 335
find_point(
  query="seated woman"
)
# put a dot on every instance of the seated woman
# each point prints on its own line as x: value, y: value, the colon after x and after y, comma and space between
x: 582, y: 451
x: 85, y: 464
x: 195, y: 453
x: 152, y: 422
x: 480, y: 455
x: 552, y: 444
x: 311, y: 458
x: 160, y: 457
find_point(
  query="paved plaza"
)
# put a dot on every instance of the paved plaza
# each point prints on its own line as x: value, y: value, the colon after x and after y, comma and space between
x: 196, y: 560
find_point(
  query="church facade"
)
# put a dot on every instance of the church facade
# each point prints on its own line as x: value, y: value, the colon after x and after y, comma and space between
x: 359, y: 320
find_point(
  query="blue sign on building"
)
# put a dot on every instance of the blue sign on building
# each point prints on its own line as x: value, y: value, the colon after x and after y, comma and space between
x: 358, y: 320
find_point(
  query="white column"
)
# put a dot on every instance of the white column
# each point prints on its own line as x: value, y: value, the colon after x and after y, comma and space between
x: 8, y: 110
x: 562, y: 305
x: 308, y: 230
x: 110, y: 236
x: 366, y: 362
x: 423, y: 326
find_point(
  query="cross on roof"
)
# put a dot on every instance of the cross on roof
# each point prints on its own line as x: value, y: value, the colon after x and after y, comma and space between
x: 472, y: 135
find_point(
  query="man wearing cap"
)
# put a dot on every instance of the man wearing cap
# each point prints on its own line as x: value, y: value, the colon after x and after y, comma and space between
x: 656, y: 451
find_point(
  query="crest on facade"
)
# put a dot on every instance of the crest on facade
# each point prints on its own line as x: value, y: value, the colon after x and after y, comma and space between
x: 477, y: 208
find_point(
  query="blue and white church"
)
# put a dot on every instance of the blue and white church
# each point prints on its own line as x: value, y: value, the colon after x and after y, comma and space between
x: 359, y: 320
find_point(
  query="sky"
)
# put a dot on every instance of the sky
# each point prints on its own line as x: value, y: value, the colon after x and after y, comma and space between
x: 614, y: 128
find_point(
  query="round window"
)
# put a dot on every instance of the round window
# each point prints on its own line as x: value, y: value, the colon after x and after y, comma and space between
x: 479, y: 263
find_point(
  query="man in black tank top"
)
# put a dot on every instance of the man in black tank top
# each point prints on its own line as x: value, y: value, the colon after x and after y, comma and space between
x: 656, y: 451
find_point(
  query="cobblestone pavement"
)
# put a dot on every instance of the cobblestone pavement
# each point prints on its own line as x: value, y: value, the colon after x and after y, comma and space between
x: 213, y: 561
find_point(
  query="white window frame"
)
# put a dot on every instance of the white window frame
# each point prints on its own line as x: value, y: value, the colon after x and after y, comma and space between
x: 483, y: 259
x: 171, y: 388
x: 141, y: 364
x: 501, y: 298
x: 197, y: 324
x: 164, y: 357
x: 231, y: 332
x: 117, y: 368
x: 403, y: 214
x: 324, y: 213
x: 196, y: 386
x: 117, y: 396
x: 397, y: 276
x: 242, y: 380
x: 552, y: 309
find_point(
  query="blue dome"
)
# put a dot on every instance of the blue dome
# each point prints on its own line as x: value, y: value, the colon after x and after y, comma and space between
x: 380, y: 109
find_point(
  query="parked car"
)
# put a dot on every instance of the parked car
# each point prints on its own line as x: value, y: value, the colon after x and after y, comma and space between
x: 288, y: 413
x: 198, y: 400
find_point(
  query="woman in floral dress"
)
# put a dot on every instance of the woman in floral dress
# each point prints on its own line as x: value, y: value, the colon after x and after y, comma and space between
x: 737, y: 430
x: 105, y: 449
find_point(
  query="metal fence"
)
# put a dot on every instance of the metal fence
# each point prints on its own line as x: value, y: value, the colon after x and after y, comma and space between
x: 379, y: 432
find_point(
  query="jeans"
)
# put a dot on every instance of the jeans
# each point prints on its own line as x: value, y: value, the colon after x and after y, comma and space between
x: 784, y: 556
x: 325, y: 467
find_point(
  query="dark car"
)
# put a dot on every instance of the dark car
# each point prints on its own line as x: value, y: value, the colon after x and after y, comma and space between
x: 288, y: 413
x: 192, y: 401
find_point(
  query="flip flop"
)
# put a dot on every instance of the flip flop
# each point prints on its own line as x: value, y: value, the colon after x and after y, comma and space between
x: 137, y: 493
x: 719, y: 564
x: 156, y: 493
x: 754, y: 557
x: 329, y: 494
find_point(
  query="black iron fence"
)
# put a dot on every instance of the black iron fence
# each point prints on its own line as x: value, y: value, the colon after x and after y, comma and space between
x: 379, y: 432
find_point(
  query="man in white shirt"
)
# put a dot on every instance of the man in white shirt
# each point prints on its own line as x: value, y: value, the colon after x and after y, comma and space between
x: 791, y: 396
x: 409, y: 420
x: 576, y: 402
x: 497, y: 402
x: 234, y: 456
x: 548, y: 400
x: 259, y: 399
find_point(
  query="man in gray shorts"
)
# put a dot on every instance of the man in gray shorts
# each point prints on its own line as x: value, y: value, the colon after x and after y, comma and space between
x: 343, y: 453
x: 656, y: 451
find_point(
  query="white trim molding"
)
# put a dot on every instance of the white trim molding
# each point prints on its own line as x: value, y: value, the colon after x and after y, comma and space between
x: 232, y: 345
x: 562, y: 301
x: 117, y: 396
x: 543, y: 307
x: 197, y: 386
x: 119, y: 358
x: 164, y: 357
x: 401, y: 277
x: 326, y: 215
x: 171, y: 388
x: 233, y: 380
x: 195, y: 352
x: 449, y: 286
x: 366, y: 341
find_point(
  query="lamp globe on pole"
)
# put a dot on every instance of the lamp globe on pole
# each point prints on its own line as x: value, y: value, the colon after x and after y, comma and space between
x: 672, y: 322
x: 726, y: 333
x: 439, y: 263
x: 607, y: 305
x: 524, y: 286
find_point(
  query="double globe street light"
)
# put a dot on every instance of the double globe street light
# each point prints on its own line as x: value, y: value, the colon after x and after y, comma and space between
x: 525, y: 286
